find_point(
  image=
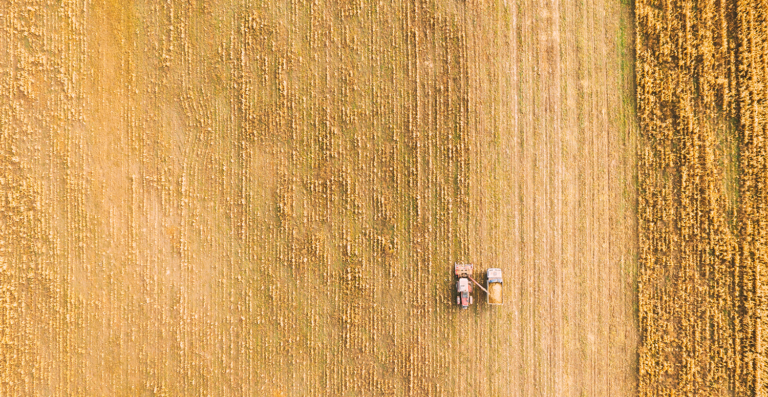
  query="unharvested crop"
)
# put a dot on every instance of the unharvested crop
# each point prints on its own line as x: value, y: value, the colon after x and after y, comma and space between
x: 702, y: 196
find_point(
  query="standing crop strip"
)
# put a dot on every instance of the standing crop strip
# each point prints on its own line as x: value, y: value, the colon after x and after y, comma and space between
x: 702, y: 199
x: 752, y: 19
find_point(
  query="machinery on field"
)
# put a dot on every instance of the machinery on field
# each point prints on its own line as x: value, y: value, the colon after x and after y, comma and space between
x: 463, y: 273
x: 494, y: 283
x: 463, y: 288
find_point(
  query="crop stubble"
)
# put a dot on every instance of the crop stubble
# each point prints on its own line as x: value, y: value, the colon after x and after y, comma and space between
x: 255, y: 199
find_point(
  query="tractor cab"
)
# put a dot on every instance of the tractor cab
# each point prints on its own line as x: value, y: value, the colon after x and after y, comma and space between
x: 463, y: 285
x: 464, y: 293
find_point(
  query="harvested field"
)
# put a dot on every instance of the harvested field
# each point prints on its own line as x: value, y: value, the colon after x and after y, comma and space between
x: 266, y: 198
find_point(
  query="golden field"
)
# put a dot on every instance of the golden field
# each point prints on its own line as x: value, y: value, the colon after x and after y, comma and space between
x: 265, y: 198
x: 701, y: 75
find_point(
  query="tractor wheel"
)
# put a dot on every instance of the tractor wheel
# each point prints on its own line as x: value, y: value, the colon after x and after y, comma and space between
x: 470, y: 300
x: 458, y: 300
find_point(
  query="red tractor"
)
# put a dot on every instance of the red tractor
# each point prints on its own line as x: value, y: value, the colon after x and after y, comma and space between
x: 463, y: 273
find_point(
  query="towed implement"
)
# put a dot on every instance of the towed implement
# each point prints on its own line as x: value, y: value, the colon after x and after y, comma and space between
x: 493, y: 283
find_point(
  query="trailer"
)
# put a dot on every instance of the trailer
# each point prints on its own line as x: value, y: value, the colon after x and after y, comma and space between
x: 494, y: 283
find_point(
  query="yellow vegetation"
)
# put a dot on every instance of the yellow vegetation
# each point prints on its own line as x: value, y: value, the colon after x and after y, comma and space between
x: 263, y: 198
x: 702, y: 240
